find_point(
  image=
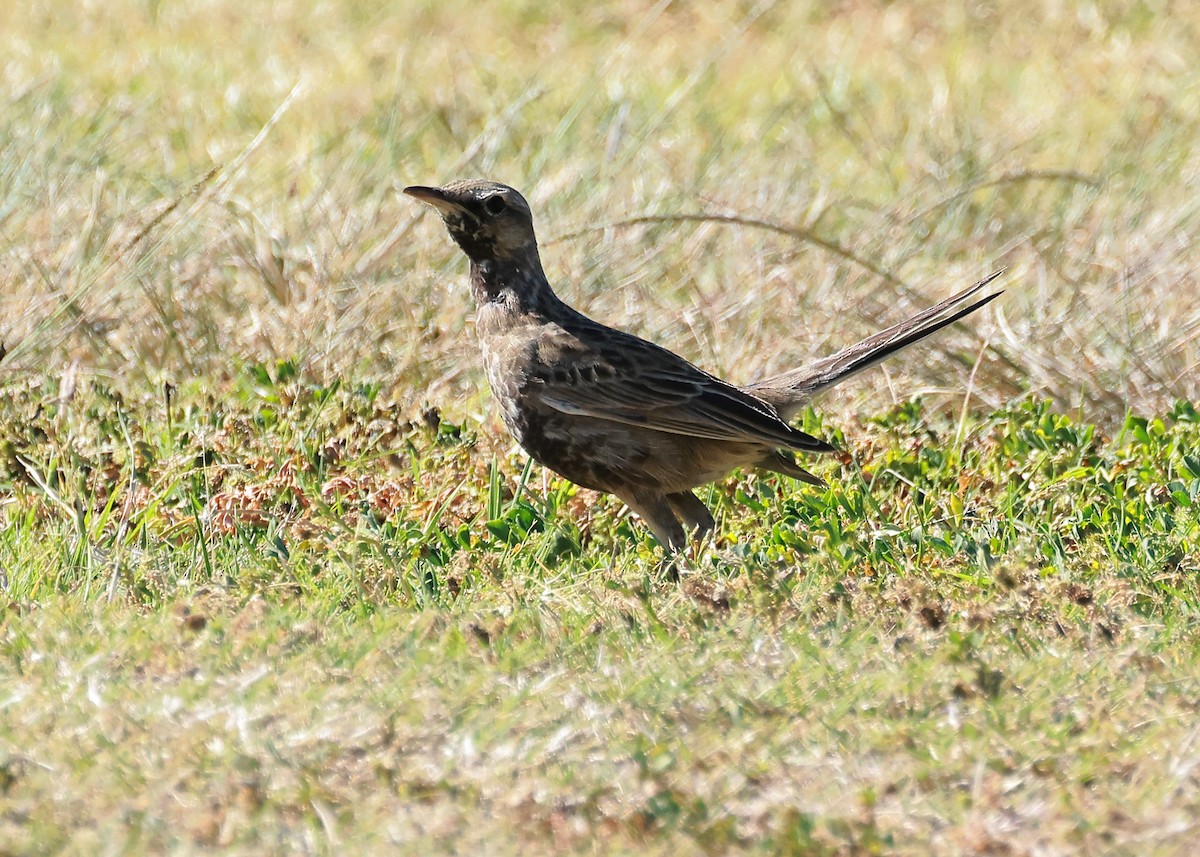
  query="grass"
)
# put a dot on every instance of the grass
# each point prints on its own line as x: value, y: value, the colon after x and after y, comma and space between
x: 275, y: 579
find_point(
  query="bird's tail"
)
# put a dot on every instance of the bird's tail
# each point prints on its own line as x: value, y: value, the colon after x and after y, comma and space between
x: 792, y: 390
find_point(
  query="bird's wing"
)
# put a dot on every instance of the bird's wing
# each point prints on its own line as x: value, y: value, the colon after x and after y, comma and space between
x: 610, y: 375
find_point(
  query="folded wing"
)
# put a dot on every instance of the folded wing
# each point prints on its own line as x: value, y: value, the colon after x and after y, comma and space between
x: 628, y: 380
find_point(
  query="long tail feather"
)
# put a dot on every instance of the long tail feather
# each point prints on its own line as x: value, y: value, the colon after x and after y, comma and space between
x: 792, y: 390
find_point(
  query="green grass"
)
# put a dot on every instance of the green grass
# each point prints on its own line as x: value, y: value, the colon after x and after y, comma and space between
x: 296, y: 619
x: 273, y: 578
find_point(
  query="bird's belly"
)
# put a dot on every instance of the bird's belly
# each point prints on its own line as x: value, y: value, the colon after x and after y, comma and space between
x: 589, y: 452
x: 607, y: 455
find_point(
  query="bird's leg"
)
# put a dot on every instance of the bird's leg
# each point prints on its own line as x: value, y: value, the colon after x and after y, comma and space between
x: 694, y: 513
x: 662, y: 514
x: 698, y: 519
x: 655, y: 510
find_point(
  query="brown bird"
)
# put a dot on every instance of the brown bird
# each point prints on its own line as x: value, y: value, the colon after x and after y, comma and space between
x: 616, y: 413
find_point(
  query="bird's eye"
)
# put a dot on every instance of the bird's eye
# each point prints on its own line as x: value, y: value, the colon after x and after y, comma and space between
x: 494, y: 204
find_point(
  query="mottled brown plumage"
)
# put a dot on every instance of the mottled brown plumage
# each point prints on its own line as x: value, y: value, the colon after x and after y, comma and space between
x: 616, y: 413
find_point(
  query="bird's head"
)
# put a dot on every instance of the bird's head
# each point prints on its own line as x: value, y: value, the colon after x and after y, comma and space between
x: 488, y: 220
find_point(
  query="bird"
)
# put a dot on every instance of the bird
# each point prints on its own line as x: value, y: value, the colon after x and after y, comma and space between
x: 613, y: 412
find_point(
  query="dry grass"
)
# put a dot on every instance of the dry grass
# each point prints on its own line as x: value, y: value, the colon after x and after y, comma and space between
x: 931, y: 146
x: 266, y: 614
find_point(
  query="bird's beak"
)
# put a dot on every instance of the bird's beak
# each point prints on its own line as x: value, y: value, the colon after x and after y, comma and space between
x: 434, y: 196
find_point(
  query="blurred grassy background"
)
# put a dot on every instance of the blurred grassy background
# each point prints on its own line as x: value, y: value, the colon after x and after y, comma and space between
x: 290, y: 609
x: 932, y: 143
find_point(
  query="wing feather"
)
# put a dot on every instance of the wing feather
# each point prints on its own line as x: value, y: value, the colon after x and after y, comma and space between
x: 619, y: 377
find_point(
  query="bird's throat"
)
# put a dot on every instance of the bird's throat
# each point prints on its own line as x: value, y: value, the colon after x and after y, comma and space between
x: 517, y: 280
